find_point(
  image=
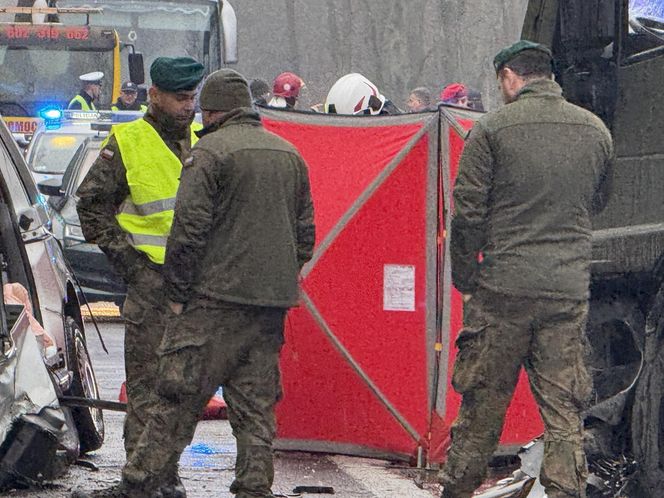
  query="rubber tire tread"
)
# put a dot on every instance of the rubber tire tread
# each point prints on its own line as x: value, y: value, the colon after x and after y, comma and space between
x: 90, y: 438
x: 648, y: 409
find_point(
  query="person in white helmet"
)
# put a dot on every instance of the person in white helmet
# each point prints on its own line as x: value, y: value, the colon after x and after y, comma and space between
x: 353, y: 94
x: 85, y: 100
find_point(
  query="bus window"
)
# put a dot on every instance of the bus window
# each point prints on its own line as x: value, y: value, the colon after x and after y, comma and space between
x: 56, y: 81
x: 189, y: 27
x: 41, y: 65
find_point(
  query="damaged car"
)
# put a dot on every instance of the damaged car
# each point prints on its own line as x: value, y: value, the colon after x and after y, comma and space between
x: 43, y: 349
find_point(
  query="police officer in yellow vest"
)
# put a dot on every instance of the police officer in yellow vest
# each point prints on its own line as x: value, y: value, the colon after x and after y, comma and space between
x: 126, y: 207
x: 85, y: 100
x: 127, y: 101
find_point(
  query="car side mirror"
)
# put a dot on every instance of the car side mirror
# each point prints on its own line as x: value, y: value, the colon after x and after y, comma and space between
x: 51, y: 187
x: 229, y: 33
x: 136, y: 68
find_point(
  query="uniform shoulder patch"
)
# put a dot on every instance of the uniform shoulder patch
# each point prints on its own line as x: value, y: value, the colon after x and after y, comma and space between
x: 107, y: 154
x: 188, y: 162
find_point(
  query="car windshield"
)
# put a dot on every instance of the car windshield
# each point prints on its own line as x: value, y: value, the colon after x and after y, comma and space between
x: 646, y: 18
x: 157, y: 28
x: 649, y: 8
x: 52, y: 152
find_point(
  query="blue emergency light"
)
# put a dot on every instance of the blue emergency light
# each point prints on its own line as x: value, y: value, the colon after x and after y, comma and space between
x: 52, y: 116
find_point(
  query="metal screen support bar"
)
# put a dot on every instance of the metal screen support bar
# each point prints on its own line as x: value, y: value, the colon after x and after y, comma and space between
x: 364, y: 197
x: 453, y: 122
x: 356, y: 366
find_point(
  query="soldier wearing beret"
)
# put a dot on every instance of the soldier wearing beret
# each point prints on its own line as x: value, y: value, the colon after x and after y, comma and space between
x: 243, y: 229
x: 126, y: 207
x: 531, y: 175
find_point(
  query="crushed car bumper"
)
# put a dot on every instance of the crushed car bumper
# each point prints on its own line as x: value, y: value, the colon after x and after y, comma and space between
x: 36, y: 440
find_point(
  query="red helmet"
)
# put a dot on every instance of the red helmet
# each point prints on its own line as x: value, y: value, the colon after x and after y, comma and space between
x: 452, y: 93
x: 287, y: 85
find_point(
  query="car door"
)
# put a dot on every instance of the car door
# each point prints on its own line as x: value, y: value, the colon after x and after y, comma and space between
x: 47, y: 274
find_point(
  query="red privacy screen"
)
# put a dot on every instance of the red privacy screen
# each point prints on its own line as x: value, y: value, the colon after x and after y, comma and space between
x: 368, y: 353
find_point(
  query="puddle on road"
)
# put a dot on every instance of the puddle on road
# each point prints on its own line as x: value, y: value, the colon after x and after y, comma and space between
x: 203, y: 455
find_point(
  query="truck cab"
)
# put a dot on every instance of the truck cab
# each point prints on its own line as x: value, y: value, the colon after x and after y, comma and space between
x: 609, y: 58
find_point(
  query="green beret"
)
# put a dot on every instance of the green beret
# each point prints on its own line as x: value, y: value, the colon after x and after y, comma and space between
x: 508, y: 53
x: 225, y: 90
x: 175, y: 74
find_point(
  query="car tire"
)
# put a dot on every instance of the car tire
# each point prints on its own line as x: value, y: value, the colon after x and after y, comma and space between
x: 89, y: 421
x: 648, y: 410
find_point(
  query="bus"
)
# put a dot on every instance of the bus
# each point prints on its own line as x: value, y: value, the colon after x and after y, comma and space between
x: 40, y: 64
x: 203, y: 29
x: 41, y: 60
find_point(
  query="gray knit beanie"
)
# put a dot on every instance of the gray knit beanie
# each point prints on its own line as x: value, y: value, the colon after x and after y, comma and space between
x: 225, y: 90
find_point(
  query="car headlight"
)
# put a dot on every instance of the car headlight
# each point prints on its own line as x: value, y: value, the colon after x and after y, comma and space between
x: 73, y: 235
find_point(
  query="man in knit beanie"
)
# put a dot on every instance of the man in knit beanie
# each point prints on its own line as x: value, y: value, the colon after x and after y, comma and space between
x: 243, y: 228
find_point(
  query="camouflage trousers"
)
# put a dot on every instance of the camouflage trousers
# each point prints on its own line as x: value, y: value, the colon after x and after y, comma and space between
x: 211, y: 345
x: 500, y: 335
x: 143, y: 312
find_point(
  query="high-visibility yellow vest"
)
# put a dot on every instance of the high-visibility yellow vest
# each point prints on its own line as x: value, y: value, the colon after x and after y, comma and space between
x: 143, y: 108
x: 153, y: 175
x: 83, y: 102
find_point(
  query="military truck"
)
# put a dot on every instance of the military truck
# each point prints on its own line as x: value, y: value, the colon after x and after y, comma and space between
x: 610, y: 59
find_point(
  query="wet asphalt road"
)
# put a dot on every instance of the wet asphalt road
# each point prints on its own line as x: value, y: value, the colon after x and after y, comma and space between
x: 207, y: 465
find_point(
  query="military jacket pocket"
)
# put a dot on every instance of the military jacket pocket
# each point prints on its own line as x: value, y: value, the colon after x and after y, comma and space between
x: 469, y: 366
x: 181, y: 373
x: 133, y: 311
x: 148, y: 286
x: 182, y: 331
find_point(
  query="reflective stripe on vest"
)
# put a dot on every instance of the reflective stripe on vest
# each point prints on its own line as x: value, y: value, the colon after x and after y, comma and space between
x: 153, y: 176
x: 83, y: 102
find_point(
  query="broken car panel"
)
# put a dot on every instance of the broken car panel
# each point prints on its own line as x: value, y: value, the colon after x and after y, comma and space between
x: 48, y: 357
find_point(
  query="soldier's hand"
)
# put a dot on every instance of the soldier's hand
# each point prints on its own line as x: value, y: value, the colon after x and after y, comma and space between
x: 176, y: 307
x: 466, y: 297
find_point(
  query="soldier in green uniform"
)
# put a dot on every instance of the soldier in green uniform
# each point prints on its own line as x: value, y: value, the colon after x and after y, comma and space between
x: 243, y: 229
x: 126, y: 207
x: 531, y: 175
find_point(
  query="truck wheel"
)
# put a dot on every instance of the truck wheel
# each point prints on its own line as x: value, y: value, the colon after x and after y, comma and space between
x: 615, y: 335
x: 89, y: 421
x: 648, y: 410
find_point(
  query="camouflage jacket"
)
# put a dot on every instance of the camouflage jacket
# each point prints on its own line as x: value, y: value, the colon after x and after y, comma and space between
x: 530, y: 177
x: 243, y: 223
x: 105, y: 188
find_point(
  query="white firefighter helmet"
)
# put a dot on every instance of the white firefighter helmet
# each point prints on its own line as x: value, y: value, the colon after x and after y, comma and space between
x: 354, y: 94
